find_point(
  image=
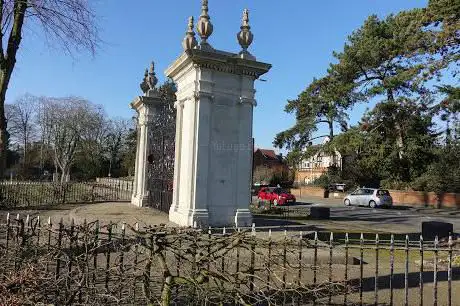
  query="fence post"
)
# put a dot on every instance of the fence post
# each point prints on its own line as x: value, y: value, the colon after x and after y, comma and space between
x: 299, y: 276
x: 238, y: 264
x: 27, y: 224
x: 7, y: 235
x: 421, y: 271
x: 108, y: 247
x: 147, y: 271
x: 122, y: 258
x: 71, y: 241
x: 136, y: 246
x: 361, y: 255
x: 38, y: 229
x: 179, y: 259
x: 208, y: 255
x: 406, y: 272
x: 95, y: 251
x: 376, y: 277
x: 58, y: 260
x: 331, y: 245
x: 269, y: 257
x: 449, y: 273
x: 253, y: 257
x: 346, y: 270
x: 392, y: 260
x: 435, y: 272
x: 19, y: 243
x: 315, y: 257
x: 284, y: 259
x: 50, y: 227
x: 85, y: 277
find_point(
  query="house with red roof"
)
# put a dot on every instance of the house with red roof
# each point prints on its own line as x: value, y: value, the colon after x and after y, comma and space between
x: 266, y: 165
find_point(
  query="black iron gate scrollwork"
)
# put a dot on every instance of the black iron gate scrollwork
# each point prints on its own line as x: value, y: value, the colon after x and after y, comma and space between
x: 162, y: 132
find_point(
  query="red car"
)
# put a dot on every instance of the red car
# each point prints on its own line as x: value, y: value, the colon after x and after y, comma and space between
x: 276, y: 195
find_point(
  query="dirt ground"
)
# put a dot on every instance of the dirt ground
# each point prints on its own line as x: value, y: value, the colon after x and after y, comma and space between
x: 115, y: 212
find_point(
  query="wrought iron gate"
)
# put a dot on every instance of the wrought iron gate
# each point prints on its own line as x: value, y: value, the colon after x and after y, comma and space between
x: 162, y: 132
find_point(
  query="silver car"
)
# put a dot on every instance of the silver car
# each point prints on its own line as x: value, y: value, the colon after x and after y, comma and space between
x: 369, y: 197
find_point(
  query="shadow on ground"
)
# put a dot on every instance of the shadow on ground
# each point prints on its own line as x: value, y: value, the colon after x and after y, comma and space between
x: 398, y: 280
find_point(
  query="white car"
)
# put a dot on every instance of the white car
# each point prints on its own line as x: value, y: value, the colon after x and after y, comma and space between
x: 369, y: 197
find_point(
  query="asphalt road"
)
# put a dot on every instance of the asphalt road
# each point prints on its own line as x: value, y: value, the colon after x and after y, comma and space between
x: 398, y: 220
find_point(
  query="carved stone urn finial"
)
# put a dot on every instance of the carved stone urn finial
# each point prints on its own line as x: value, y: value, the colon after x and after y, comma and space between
x: 204, y: 26
x: 150, y: 80
x: 245, y: 36
x: 189, y: 41
x: 144, y: 86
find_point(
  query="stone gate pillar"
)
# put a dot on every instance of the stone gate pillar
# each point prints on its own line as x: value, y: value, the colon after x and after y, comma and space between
x: 146, y: 107
x: 215, y: 100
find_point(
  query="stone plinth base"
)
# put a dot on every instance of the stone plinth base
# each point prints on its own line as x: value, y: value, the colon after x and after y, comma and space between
x: 243, y: 218
x: 192, y: 217
x: 140, y: 201
x: 200, y: 218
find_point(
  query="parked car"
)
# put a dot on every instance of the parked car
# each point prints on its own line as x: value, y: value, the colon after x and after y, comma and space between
x: 337, y: 187
x: 256, y: 188
x: 369, y: 197
x: 276, y: 195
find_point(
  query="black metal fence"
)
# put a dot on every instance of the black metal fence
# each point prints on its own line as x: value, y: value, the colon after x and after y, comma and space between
x: 99, y: 264
x: 16, y: 194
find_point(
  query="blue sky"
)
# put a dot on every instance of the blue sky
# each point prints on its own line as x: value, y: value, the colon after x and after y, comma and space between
x: 297, y: 37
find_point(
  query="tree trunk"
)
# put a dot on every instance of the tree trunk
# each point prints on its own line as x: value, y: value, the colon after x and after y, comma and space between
x: 330, y: 122
x: 398, y: 128
x: 331, y: 129
x: 7, y: 63
x: 3, y: 135
x: 25, y: 163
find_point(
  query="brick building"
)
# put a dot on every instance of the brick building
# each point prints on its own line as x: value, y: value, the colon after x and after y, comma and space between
x: 266, y: 164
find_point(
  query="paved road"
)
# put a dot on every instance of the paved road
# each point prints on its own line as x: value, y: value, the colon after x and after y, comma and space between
x: 395, y: 220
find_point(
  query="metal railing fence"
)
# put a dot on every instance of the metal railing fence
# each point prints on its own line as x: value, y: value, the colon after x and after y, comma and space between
x: 123, y: 264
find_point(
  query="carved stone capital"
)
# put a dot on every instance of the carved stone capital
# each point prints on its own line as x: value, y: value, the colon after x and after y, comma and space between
x: 248, y: 100
x: 145, y: 108
x: 179, y: 103
x: 203, y: 94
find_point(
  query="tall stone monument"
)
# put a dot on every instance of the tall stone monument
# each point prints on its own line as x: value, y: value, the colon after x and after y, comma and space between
x: 146, y: 106
x: 215, y: 100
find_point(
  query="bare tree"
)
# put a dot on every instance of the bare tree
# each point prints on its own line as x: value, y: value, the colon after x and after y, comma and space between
x: 117, y: 132
x: 93, y: 135
x: 69, y: 122
x: 21, y: 118
x: 71, y: 23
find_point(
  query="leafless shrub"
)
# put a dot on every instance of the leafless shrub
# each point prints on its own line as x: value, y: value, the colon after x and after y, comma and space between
x: 94, y: 265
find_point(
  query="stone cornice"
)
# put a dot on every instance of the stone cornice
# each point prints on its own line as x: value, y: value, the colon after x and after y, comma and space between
x: 141, y: 101
x: 218, y: 61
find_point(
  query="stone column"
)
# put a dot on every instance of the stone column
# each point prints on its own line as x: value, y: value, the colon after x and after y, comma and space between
x: 146, y: 107
x: 215, y: 100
